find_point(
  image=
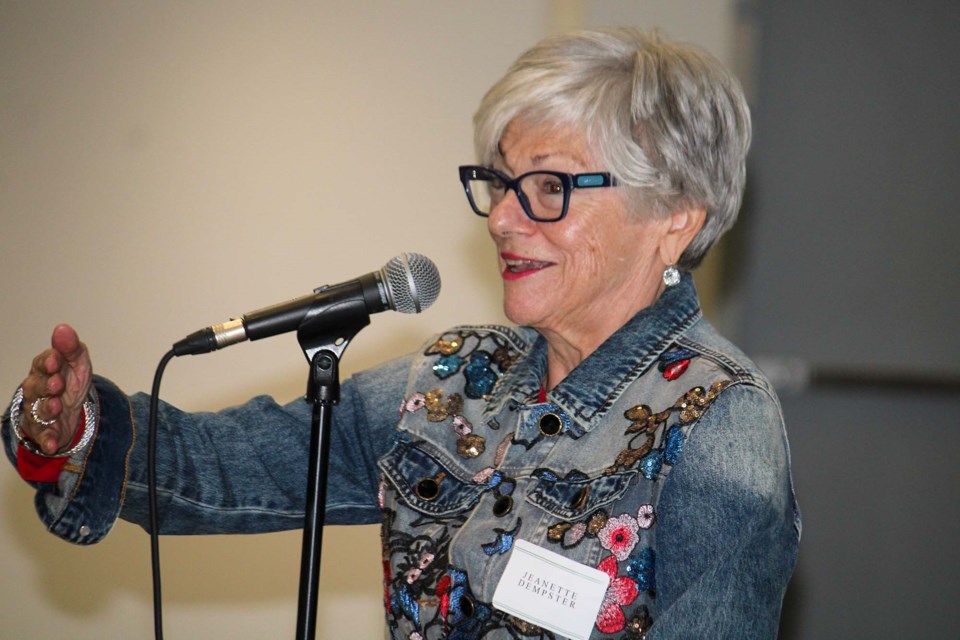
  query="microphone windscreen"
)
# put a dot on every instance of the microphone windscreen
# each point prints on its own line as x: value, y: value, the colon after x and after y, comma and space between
x: 412, y: 281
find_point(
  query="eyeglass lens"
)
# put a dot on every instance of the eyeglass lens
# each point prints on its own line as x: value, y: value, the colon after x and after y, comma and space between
x: 544, y: 194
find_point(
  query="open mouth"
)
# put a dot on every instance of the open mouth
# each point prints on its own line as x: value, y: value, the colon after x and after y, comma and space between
x: 517, y: 266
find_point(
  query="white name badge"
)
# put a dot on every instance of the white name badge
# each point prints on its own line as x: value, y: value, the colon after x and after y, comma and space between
x: 551, y: 591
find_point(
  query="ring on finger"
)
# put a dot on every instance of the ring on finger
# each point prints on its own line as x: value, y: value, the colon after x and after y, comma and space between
x: 35, y: 413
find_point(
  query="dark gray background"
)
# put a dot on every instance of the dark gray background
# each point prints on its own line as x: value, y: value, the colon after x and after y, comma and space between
x: 848, y: 264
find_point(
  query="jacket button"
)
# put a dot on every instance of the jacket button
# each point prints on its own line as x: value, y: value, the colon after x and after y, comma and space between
x: 550, y: 424
x: 502, y: 506
x: 429, y: 488
x: 579, y: 501
x: 466, y: 606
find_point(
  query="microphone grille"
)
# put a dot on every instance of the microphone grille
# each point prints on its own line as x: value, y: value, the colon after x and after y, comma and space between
x: 413, y: 282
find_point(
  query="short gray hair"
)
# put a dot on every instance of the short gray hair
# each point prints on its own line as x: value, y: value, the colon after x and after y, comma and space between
x: 666, y: 118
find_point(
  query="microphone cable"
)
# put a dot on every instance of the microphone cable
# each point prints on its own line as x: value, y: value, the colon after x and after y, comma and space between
x: 408, y: 283
x: 152, y: 492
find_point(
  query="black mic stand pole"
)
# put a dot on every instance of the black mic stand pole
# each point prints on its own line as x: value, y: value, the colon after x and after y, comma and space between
x: 323, y: 344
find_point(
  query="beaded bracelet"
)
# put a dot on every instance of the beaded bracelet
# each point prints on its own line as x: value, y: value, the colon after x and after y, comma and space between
x: 16, y: 419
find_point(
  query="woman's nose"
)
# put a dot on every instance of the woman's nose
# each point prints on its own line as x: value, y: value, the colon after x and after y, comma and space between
x: 508, y: 217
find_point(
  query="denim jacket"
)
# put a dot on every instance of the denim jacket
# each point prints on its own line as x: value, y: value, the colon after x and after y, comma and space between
x: 661, y: 460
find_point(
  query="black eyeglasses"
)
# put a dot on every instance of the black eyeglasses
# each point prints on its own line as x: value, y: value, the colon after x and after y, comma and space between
x: 544, y: 195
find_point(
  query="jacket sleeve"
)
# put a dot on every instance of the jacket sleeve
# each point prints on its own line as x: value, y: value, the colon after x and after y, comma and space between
x: 240, y: 470
x: 728, y: 526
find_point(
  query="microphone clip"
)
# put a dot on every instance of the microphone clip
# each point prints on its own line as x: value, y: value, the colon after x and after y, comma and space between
x: 332, y: 327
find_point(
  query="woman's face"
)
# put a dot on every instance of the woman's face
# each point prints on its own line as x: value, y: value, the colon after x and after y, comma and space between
x: 583, y: 277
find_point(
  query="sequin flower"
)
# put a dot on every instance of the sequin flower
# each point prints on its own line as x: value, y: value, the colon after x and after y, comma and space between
x: 619, y: 536
x: 480, y: 377
x: 621, y: 592
x: 651, y: 464
x: 674, y: 445
x: 416, y: 402
x: 447, y: 366
x: 642, y: 568
x: 639, y: 624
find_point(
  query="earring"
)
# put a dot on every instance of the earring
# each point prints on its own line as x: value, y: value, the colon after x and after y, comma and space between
x: 671, y: 276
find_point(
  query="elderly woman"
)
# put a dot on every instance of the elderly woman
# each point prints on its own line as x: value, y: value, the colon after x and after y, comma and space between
x: 614, y: 427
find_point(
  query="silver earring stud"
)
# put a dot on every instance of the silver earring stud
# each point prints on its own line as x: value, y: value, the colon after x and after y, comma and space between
x: 671, y: 276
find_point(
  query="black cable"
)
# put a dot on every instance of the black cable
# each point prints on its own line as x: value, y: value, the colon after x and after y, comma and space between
x: 152, y: 491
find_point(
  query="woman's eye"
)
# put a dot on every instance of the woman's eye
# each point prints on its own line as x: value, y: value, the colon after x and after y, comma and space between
x: 552, y: 187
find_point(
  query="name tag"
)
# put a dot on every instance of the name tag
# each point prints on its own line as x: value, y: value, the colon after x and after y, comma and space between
x: 551, y: 591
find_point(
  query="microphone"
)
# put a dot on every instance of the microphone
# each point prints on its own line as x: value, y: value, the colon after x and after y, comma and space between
x: 409, y: 283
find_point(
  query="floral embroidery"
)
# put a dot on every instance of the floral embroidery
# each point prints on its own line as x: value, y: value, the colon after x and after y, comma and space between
x: 445, y: 347
x: 695, y: 402
x: 470, y: 446
x: 447, y: 366
x: 619, y: 536
x: 462, y: 426
x: 676, y: 370
x: 484, y: 475
x: 621, y: 592
x: 439, y: 410
x: 465, y: 613
x: 674, y: 446
x: 479, y: 370
x: 526, y: 629
x: 504, y: 358
x: 480, y: 377
x: 502, y: 450
x: 404, y: 601
x: 642, y: 568
x: 645, y: 516
x: 408, y: 582
x: 442, y: 593
x: 642, y: 419
x: 652, y: 464
x: 644, y: 425
x: 639, y: 623
x: 673, y: 363
x: 569, y: 535
x: 573, y: 535
x: 416, y: 402
x: 597, y: 522
x: 504, y: 541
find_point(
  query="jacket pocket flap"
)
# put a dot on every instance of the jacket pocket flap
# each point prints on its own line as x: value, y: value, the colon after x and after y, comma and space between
x: 572, y: 498
x: 425, y: 483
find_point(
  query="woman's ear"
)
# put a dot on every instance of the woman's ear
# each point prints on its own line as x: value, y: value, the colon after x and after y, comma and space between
x: 685, y: 224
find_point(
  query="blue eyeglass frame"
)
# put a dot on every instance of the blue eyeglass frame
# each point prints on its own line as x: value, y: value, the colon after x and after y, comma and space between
x: 570, y: 182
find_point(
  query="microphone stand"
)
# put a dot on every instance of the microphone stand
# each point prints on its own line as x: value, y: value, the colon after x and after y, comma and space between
x: 323, y: 337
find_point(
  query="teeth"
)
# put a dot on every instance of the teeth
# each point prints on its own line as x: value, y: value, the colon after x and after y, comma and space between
x: 523, y: 265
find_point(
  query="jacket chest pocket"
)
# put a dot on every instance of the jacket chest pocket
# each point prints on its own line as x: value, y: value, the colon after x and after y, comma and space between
x: 426, y: 484
x: 580, y: 512
x: 571, y: 499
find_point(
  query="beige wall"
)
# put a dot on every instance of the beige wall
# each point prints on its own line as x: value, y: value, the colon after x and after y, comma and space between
x: 166, y: 165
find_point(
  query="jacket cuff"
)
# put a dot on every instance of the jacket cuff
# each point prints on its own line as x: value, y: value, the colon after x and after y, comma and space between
x: 84, y: 503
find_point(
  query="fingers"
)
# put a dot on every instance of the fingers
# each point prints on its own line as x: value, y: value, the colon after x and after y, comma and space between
x: 54, y: 390
x: 49, y: 434
x: 45, y: 431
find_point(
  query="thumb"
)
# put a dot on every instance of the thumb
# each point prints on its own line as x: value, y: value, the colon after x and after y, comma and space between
x: 67, y: 342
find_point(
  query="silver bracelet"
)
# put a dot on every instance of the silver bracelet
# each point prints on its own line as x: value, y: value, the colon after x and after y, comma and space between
x: 16, y: 422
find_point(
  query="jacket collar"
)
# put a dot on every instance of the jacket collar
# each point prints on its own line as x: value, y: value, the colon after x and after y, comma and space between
x: 597, y: 382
